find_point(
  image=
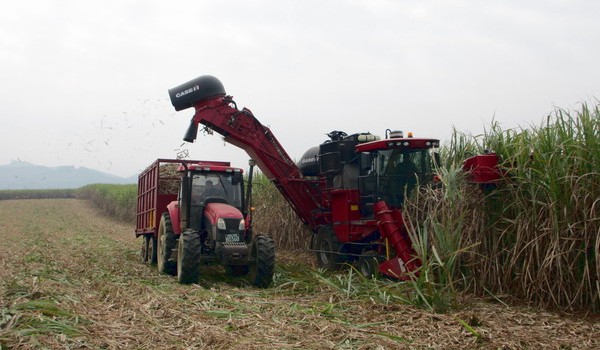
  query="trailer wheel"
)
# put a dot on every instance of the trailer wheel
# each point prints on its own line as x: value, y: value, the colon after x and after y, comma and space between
x: 149, y: 248
x: 145, y: 249
x: 153, y: 253
x: 326, y: 247
x: 188, y: 257
x: 262, y: 268
x: 165, y: 245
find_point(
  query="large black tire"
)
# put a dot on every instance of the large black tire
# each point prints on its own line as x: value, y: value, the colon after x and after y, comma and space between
x: 326, y: 247
x: 167, y: 241
x: 262, y: 267
x: 188, y: 257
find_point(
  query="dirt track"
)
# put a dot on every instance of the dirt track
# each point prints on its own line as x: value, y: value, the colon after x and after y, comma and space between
x: 70, y: 278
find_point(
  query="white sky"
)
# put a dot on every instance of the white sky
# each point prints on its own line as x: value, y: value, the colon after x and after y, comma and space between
x: 85, y: 83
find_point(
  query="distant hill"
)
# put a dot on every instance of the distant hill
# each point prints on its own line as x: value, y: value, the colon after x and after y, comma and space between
x: 23, y: 175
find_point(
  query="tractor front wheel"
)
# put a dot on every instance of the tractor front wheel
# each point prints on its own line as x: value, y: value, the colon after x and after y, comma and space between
x: 262, y: 267
x: 166, y: 244
x: 188, y: 257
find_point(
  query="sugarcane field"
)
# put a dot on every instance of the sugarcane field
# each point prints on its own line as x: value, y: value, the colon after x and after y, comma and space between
x: 343, y: 175
x: 498, y: 267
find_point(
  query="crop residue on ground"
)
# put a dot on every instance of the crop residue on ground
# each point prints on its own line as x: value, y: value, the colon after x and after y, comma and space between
x: 70, y: 278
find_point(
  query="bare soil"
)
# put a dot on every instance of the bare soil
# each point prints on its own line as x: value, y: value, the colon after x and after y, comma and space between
x: 71, y: 278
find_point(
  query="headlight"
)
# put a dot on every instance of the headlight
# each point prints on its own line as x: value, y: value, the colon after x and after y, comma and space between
x: 242, y: 225
x: 221, y: 224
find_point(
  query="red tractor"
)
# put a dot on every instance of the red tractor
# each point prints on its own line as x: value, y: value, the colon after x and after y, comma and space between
x: 193, y: 213
x: 349, y: 190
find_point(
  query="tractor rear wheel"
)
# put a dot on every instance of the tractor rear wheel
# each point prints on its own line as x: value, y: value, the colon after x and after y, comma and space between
x: 327, y: 247
x: 188, y: 257
x: 262, y: 267
x: 165, y: 245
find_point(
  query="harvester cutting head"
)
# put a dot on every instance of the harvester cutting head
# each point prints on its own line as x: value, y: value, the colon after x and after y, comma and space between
x: 204, y: 87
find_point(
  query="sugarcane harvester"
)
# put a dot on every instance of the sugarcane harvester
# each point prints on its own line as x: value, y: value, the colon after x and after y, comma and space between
x: 349, y: 190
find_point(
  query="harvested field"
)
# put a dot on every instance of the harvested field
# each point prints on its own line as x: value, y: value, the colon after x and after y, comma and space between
x: 70, y: 278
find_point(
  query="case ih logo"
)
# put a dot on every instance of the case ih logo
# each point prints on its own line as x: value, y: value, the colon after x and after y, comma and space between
x: 309, y: 160
x: 187, y: 91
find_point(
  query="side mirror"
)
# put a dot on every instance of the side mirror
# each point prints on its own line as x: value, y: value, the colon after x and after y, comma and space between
x: 186, y: 200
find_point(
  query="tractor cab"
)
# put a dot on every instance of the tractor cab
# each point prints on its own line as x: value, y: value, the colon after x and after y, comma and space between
x: 216, y: 187
x: 211, y: 202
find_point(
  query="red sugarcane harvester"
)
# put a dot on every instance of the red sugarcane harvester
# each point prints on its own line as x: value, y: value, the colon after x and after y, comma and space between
x: 349, y: 190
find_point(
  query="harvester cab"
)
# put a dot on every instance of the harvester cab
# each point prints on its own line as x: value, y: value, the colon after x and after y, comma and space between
x: 398, y: 166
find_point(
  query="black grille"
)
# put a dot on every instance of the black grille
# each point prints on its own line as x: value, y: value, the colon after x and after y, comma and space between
x: 232, y: 224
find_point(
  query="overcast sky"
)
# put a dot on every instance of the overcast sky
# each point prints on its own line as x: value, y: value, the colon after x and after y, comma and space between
x: 84, y: 83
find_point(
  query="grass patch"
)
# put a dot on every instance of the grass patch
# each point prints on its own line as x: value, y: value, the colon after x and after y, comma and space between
x: 37, y: 194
